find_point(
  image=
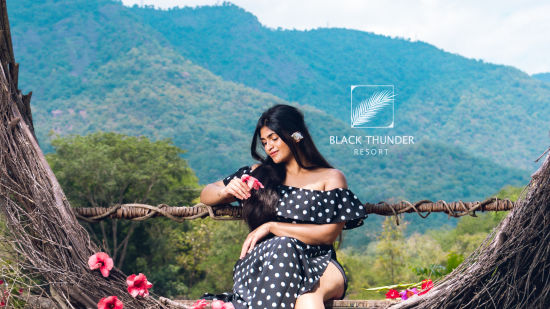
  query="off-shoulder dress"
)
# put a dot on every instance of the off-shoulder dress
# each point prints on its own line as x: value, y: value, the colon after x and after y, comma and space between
x: 279, y: 269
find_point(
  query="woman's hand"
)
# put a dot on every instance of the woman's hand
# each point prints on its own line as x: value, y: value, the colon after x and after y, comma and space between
x: 237, y: 188
x: 253, y: 237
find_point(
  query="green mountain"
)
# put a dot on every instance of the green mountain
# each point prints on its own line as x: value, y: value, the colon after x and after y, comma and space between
x: 102, y: 66
x: 493, y: 111
x: 545, y: 77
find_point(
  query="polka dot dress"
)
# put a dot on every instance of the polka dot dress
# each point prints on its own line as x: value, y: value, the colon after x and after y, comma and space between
x: 279, y: 269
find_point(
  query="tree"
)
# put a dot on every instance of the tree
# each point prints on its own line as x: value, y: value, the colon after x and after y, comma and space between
x: 103, y: 169
x: 391, y: 248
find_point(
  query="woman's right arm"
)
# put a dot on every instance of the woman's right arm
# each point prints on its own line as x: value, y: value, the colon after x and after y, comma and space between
x: 218, y: 193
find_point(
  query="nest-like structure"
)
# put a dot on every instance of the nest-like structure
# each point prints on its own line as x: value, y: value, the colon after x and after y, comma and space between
x: 45, y: 235
x: 511, y: 269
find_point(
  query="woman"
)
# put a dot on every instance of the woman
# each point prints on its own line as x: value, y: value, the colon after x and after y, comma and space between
x: 288, y: 260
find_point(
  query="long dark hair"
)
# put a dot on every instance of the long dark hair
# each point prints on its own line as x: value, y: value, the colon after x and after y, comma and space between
x: 284, y: 120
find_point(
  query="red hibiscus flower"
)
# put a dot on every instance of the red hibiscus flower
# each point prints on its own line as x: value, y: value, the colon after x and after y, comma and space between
x: 102, y: 261
x: 252, y: 182
x: 138, y: 285
x: 392, y: 294
x: 111, y: 302
x: 199, y: 304
x: 427, y: 284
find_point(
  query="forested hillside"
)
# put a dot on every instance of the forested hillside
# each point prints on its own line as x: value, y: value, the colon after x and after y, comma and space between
x: 441, y: 96
x: 542, y: 76
x: 97, y: 65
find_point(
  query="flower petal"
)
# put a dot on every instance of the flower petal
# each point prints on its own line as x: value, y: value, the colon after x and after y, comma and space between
x: 130, y: 280
x: 104, y: 271
x: 134, y: 292
x: 109, y: 263
x: 93, y: 263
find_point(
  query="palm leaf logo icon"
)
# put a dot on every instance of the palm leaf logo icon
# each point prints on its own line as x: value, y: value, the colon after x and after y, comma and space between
x: 369, y: 107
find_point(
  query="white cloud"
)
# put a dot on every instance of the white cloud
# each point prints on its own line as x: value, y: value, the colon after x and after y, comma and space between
x: 498, y: 31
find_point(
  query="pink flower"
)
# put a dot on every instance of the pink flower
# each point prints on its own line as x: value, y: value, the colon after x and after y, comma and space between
x: 408, y: 293
x: 427, y: 284
x: 199, y: 304
x: 102, y: 261
x: 219, y: 304
x: 111, y: 302
x: 252, y: 182
x: 392, y: 294
x: 138, y: 285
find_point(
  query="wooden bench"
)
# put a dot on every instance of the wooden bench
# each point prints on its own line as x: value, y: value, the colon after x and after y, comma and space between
x: 340, y: 304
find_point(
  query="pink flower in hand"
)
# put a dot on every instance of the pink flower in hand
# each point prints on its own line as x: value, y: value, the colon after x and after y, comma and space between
x: 111, y: 302
x: 199, y: 304
x: 138, y: 285
x: 102, y: 261
x: 252, y: 182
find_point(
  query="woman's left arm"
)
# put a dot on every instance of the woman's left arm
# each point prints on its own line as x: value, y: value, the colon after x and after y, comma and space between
x: 312, y: 234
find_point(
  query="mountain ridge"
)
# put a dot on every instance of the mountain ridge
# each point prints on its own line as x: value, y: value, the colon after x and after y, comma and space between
x: 95, y: 66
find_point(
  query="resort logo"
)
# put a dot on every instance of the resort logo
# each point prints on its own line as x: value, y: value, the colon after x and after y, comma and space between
x: 372, y: 106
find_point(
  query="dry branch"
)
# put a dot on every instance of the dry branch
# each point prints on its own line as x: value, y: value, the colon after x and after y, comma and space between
x: 44, y: 231
x: 511, y: 268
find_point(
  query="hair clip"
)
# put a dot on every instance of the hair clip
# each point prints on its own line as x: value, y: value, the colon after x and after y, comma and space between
x: 297, y: 136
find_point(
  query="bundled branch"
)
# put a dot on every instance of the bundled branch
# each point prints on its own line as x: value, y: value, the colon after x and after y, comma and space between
x: 511, y: 268
x: 139, y: 212
x: 44, y: 234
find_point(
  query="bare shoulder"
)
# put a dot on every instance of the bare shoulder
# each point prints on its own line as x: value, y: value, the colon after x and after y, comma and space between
x: 334, y: 178
x: 253, y: 167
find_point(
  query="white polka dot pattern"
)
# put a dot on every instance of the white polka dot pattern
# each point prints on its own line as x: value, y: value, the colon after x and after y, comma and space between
x: 315, y: 206
x: 279, y: 269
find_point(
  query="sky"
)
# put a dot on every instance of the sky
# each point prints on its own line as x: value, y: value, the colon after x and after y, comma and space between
x: 505, y: 32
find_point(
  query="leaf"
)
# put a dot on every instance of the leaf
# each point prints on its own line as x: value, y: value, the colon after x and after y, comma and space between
x: 395, y: 286
x: 368, y: 108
